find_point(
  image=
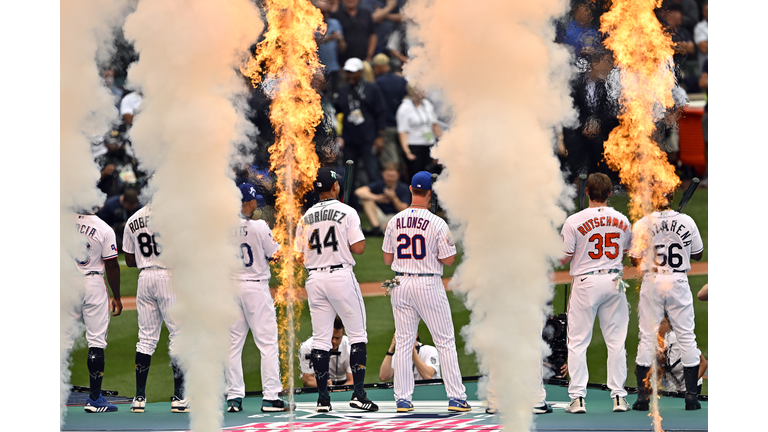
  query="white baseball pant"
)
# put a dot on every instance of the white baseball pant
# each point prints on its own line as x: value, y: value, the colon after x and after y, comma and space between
x: 417, y: 298
x: 332, y: 292
x: 597, y: 295
x: 257, y: 312
x: 670, y: 292
x: 93, y: 310
x: 154, y: 296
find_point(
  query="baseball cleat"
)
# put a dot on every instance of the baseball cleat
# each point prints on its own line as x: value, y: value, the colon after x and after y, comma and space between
x: 404, y: 405
x: 458, y: 405
x: 362, y: 402
x: 277, y: 405
x: 620, y: 404
x: 576, y: 406
x: 235, y: 405
x: 491, y: 411
x: 692, y: 402
x: 323, y: 405
x: 179, y: 405
x: 138, y: 404
x: 543, y: 409
x: 99, y: 405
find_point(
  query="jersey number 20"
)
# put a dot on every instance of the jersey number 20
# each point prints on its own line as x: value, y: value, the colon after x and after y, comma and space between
x: 604, y: 243
x: 328, y: 241
x: 405, y: 242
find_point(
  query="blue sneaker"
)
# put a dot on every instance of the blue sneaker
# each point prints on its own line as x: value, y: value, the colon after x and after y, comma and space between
x: 458, y: 405
x: 404, y: 405
x: 100, y: 405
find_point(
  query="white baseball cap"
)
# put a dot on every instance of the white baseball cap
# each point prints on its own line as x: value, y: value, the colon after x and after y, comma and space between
x: 353, y: 65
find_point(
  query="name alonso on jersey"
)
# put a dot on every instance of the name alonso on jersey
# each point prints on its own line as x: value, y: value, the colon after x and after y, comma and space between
x: 412, y: 222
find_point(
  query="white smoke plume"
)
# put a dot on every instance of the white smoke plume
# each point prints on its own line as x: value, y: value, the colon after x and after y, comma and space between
x: 507, y: 83
x: 183, y: 133
x: 87, y: 110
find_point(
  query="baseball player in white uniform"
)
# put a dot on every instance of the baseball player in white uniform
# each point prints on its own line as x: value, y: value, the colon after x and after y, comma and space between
x: 417, y: 244
x: 339, y: 370
x: 256, y: 310
x: 327, y: 236
x: 426, y: 361
x: 664, y: 243
x: 99, y: 257
x: 597, y: 240
x: 154, y: 296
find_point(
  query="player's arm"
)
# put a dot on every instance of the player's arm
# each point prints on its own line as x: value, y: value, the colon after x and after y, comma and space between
x: 426, y: 371
x: 357, y: 248
x: 386, y: 372
x: 350, y: 380
x: 702, y: 365
x: 447, y: 261
x: 112, y: 270
x: 703, y: 293
x: 309, y: 379
x: 697, y: 256
x: 130, y: 259
x: 355, y: 237
x: 389, y: 258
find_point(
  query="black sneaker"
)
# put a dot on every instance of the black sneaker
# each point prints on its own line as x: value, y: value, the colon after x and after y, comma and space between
x: 323, y: 405
x: 277, y: 405
x: 362, y: 402
x: 544, y: 409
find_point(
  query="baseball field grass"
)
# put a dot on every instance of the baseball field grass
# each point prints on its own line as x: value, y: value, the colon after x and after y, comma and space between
x: 123, y: 330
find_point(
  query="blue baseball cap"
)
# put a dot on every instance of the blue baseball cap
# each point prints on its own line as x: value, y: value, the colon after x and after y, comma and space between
x: 422, y: 180
x: 248, y: 192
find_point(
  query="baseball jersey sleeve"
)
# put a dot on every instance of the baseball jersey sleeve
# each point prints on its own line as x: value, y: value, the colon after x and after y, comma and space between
x: 354, y: 230
x: 268, y: 243
x: 109, y: 245
x: 388, y: 245
x: 446, y: 247
x: 304, y: 351
x: 697, y: 245
x: 128, y: 241
x: 568, y: 234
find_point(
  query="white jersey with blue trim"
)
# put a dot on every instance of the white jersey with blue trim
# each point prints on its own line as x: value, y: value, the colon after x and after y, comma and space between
x: 418, y: 238
x: 597, y: 238
x: 257, y: 246
x: 141, y: 240
x: 325, y: 233
x: 672, y: 236
x: 98, y: 243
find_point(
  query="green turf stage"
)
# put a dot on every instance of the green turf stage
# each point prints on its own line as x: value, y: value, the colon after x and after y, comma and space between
x: 123, y: 331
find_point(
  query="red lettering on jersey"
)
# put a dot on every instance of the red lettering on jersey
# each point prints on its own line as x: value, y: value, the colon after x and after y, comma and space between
x: 602, y: 220
x: 615, y: 222
x: 582, y: 230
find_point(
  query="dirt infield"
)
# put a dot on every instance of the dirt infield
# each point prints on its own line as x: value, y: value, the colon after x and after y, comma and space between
x: 374, y: 288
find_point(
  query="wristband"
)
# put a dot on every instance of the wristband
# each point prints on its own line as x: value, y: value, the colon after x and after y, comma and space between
x: 390, y: 353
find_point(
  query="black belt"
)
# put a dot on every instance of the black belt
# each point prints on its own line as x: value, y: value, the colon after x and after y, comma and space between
x: 333, y: 267
x: 253, y: 280
x: 152, y: 268
x: 93, y: 273
x: 415, y: 274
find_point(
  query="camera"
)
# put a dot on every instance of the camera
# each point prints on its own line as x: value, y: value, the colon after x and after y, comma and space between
x: 556, y: 335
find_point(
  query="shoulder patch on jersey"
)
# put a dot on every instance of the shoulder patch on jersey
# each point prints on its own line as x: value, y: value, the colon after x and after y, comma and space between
x: 433, y: 360
x: 449, y: 239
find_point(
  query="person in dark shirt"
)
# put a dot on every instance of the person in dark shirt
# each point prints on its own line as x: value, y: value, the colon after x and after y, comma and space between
x: 382, y: 200
x: 364, y: 109
x: 119, y: 169
x: 116, y: 211
x: 394, y: 89
x: 359, y: 31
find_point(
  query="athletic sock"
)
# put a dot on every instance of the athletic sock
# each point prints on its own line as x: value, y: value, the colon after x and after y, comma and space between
x: 96, y: 370
x: 358, y: 357
x: 142, y: 372
x: 320, y: 361
x: 178, y: 380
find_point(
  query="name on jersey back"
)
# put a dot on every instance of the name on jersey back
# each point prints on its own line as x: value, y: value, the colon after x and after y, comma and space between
x: 673, y: 227
x: 140, y: 222
x: 412, y: 222
x: 324, y: 215
x: 87, y: 230
x: 601, y: 221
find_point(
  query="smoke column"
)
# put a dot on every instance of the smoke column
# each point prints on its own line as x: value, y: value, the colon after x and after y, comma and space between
x: 190, y: 52
x: 87, y: 110
x: 508, y: 87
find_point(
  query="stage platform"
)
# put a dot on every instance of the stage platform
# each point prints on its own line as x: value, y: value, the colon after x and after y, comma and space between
x: 430, y: 414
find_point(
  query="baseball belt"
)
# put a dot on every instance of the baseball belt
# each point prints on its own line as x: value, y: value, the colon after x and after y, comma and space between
x: 253, y: 280
x: 415, y: 274
x: 665, y: 271
x: 604, y: 271
x: 93, y: 273
x: 333, y: 267
x: 152, y: 268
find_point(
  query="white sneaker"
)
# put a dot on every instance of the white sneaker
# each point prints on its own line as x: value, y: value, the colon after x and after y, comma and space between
x: 138, y: 404
x: 620, y: 404
x: 576, y: 406
x: 179, y: 405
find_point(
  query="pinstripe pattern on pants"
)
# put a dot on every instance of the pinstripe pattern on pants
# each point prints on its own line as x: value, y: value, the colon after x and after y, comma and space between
x: 154, y: 296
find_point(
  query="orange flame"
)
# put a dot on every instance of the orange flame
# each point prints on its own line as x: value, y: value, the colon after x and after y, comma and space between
x: 285, y: 62
x: 643, y: 53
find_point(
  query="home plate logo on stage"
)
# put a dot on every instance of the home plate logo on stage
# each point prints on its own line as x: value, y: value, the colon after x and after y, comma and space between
x: 371, y: 426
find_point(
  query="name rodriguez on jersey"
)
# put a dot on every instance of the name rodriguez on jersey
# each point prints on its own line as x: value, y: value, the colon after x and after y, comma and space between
x: 324, y: 215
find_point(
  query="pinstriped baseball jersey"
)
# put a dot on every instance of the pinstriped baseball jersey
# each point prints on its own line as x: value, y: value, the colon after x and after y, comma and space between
x: 418, y: 239
x: 256, y: 247
x: 675, y: 238
x: 141, y: 241
x: 597, y: 239
x: 98, y: 243
x: 325, y: 233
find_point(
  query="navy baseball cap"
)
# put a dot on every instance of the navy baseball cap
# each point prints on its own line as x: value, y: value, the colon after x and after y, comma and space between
x: 422, y: 180
x: 248, y: 192
x: 326, y: 177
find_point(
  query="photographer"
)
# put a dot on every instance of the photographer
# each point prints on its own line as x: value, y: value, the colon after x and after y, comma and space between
x: 382, y: 200
x: 339, y: 372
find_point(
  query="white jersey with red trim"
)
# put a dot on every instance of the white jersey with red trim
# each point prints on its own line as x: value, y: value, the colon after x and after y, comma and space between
x: 140, y: 240
x: 597, y: 238
x: 674, y: 237
x: 98, y: 243
x: 325, y: 233
x: 257, y: 246
x: 418, y: 238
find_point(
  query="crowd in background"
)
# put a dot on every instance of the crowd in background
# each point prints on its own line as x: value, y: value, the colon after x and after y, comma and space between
x: 388, y: 125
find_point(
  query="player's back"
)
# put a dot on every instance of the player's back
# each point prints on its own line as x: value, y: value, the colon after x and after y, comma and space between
x: 140, y: 240
x: 666, y: 240
x: 98, y: 243
x: 597, y: 238
x: 418, y: 238
x: 325, y: 232
x: 256, y: 247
